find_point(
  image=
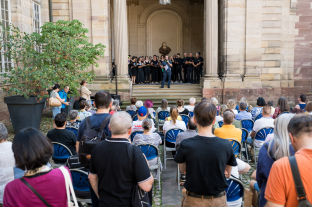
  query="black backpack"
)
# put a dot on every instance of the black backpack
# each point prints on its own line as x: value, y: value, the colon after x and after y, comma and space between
x: 89, y: 139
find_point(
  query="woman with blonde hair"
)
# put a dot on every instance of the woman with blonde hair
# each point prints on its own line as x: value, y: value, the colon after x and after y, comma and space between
x: 231, y: 105
x: 221, y: 112
x: 173, y: 123
x: 181, y: 109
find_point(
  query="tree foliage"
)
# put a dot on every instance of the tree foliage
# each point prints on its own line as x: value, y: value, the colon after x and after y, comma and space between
x: 61, y: 54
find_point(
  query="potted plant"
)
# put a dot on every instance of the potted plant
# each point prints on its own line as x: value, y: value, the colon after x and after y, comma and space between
x: 61, y: 54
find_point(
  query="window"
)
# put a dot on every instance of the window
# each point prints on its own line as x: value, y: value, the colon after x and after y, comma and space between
x: 5, y: 13
x: 36, y: 17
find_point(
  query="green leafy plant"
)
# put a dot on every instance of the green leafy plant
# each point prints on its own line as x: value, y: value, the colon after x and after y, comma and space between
x: 61, y: 54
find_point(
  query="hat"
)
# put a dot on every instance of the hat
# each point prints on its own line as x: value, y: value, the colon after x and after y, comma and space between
x: 148, y: 104
x: 142, y: 111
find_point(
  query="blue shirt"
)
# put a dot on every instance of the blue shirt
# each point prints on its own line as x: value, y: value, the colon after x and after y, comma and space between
x: 243, y: 115
x: 302, y: 106
x: 96, y: 121
x: 63, y: 95
x: 263, y: 169
x: 164, y: 63
x: 255, y: 112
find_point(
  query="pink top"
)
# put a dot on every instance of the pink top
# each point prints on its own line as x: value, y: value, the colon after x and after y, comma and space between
x: 51, y: 186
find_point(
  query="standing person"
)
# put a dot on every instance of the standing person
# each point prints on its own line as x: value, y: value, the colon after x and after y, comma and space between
x: 129, y: 66
x: 302, y: 101
x: 147, y: 70
x: 134, y: 69
x: 56, y: 109
x: 282, y: 106
x: 113, y: 178
x: 63, y: 95
x: 84, y: 91
x: 281, y: 189
x: 198, y: 66
x: 141, y: 70
x: 154, y: 64
x: 159, y: 68
x: 189, y: 68
x: 184, y: 67
x: 178, y: 64
x: 197, y: 158
x: 166, y: 66
x: 173, y: 69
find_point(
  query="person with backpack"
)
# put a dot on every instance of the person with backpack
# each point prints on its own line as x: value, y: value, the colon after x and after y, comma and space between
x: 92, y: 130
x: 289, y: 183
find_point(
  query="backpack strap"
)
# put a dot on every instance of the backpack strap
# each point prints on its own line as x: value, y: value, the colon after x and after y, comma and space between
x: 88, y: 122
x: 105, y: 122
x: 297, y: 179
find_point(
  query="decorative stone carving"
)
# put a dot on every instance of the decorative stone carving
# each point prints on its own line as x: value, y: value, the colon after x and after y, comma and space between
x: 164, y: 49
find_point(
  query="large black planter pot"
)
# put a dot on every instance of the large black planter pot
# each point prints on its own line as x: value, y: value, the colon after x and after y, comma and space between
x: 25, y: 112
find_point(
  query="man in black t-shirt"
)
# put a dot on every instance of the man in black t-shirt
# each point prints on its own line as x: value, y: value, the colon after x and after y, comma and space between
x: 178, y: 63
x: 189, y: 67
x: 184, y: 67
x: 154, y: 65
x: 198, y: 67
x: 205, y: 159
x: 112, y: 176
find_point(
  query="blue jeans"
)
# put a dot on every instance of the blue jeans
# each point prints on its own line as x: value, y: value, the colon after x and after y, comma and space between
x: 165, y: 74
x: 55, y: 111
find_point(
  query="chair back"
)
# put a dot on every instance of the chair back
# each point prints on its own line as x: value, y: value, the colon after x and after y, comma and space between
x: 162, y: 115
x: 259, y: 116
x: 245, y: 134
x: 172, y: 134
x: 261, y: 134
x: 60, y: 151
x: 285, y: 112
x: 150, y: 151
x: 135, y: 118
x: 191, y: 114
x: 73, y: 129
x: 130, y: 112
x: 220, y: 123
x: 235, y: 190
x: 134, y: 133
x: 247, y: 124
x: 217, y: 112
x: 80, y: 180
x: 154, y: 113
x: 185, y: 118
x: 237, y: 147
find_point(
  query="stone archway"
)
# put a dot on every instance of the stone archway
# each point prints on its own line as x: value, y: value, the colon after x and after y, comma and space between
x: 172, y: 31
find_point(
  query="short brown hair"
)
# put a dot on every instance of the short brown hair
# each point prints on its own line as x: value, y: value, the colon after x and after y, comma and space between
x: 180, y: 102
x: 300, y: 124
x: 133, y: 100
x: 228, y: 117
x: 205, y: 113
x: 308, y: 107
x: 82, y: 104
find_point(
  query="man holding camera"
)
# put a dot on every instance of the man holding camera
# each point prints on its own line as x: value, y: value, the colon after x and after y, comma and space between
x: 166, y: 69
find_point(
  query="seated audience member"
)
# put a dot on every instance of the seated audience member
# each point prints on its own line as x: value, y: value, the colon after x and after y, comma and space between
x: 228, y: 130
x: 297, y: 110
x: 181, y: 109
x: 73, y: 114
x: 142, y: 114
x: 7, y: 161
x: 138, y: 104
x: 236, y: 123
x: 82, y: 114
x: 113, y: 178
x: 221, y: 112
x: 249, y: 109
x: 302, y: 101
x: 243, y: 99
x: 240, y: 169
x: 282, y: 106
x: 62, y: 135
x: 89, y: 107
x: 243, y: 114
x: 281, y: 190
x: 231, y: 105
x: 270, y: 103
x: 32, y: 151
x: 265, y: 121
x: 149, y: 105
x: 132, y: 107
x: 163, y: 106
x: 189, y: 133
x: 258, y: 109
x: 308, y: 107
x: 192, y: 103
x: 254, y: 188
x: 197, y: 158
x: 277, y: 148
x: 113, y: 109
x: 215, y: 101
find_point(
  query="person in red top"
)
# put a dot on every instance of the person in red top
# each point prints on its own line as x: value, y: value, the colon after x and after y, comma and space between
x: 281, y: 190
x: 282, y: 106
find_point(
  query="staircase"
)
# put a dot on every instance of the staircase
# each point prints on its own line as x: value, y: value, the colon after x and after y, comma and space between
x: 153, y: 92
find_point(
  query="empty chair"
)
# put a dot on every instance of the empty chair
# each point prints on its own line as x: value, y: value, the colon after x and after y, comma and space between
x: 81, y: 185
x: 60, y: 155
x: 247, y: 124
x: 171, y: 137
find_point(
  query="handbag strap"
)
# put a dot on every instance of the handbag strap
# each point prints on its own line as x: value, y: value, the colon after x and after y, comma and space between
x: 297, y: 179
x: 35, y: 192
x: 69, y: 186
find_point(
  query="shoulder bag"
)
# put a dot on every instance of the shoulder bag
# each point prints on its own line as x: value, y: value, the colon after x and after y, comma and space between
x: 53, y: 101
x: 69, y: 188
x: 301, y: 195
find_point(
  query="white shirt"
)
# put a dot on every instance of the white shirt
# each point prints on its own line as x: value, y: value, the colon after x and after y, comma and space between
x: 235, y: 171
x: 178, y: 125
x: 137, y: 126
x: 190, y: 108
x: 150, y: 111
x: 261, y: 123
x: 219, y: 118
x: 235, y: 111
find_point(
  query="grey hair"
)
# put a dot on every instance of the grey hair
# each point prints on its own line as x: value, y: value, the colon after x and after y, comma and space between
x: 116, y: 102
x: 114, y: 108
x: 138, y: 104
x: 214, y: 101
x: 120, y: 123
x: 228, y: 117
x: 3, y: 133
x: 281, y: 141
x: 89, y: 103
x: 73, y: 114
x: 243, y: 99
x: 164, y: 104
x: 242, y: 105
x: 192, y: 100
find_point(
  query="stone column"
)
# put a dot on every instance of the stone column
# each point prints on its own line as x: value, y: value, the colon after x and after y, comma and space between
x: 121, y: 36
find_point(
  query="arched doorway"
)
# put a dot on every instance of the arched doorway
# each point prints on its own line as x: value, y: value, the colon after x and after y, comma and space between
x: 164, y: 26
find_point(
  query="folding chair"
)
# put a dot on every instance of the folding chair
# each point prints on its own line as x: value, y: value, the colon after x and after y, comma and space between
x: 154, y: 113
x: 135, y: 118
x: 191, y: 114
x: 245, y: 134
x: 247, y: 124
x: 220, y: 123
x: 60, y: 155
x: 151, y: 151
x: 73, y: 129
x: 261, y: 134
x: 171, y: 137
x: 237, y: 147
x: 259, y: 116
x: 162, y: 115
x: 81, y: 185
x: 185, y: 118
x: 235, y: 190
x: 134, y: 133
x: 130, y: 112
